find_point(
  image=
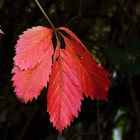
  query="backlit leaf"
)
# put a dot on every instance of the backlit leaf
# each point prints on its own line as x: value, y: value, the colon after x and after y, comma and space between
x: 64, y: 93
x: 32, y: 46
x: 29, y: 84
x: 73, y: 72
x: 93, y: 77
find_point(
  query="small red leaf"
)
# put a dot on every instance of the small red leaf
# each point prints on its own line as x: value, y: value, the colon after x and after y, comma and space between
x: 29, y: 83
x: 94, y: 78
x: 64, y: 93
x: 32, y: 46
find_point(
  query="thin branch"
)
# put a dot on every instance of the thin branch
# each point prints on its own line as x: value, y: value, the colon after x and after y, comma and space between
x: 86, y: 22
x: 78, y: 15
x: 98, y: 121
x: 83, y: 133
x: 46, y: 16
x: 72, y: 19
x: 134, y: 102
x: 80, y: 7
x: 124, y: 11
x: 27, y: 125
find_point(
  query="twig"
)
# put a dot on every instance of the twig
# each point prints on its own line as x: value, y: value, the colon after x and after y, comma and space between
x: 73, y: 18
x: 27, y: 125
x: 78, y: 15
x: 98, y: 121
x: 83, y: 133
x: 85, y: 21
x: 134, y: 102
x: 124, y: 11
x: 80, y: 7
x: 46, y: 16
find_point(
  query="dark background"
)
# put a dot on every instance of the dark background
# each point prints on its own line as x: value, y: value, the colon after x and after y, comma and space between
x: 111, y: 31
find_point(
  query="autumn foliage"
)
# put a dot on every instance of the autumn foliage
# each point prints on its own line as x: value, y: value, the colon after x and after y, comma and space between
x: 65, y: 67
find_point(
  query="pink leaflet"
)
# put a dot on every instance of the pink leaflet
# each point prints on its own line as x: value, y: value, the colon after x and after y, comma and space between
x: 29, y: 83
x: 32, y: 46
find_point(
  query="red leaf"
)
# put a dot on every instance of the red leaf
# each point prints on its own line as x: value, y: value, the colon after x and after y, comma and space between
x: 74, y: 71
x: 94, y: 78
x: 64, y: 93
x: 32, y: 46
x: 29, y: 83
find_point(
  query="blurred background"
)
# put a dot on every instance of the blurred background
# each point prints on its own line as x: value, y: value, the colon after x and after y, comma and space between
x: 110, y: 29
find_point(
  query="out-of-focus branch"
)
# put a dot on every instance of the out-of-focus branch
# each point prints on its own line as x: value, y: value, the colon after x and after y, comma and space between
x: 83, y: 133
x: 134, y: 102
x: 98, y: 121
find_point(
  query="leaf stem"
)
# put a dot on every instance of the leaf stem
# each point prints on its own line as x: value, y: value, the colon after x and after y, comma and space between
x: 46, y: 16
